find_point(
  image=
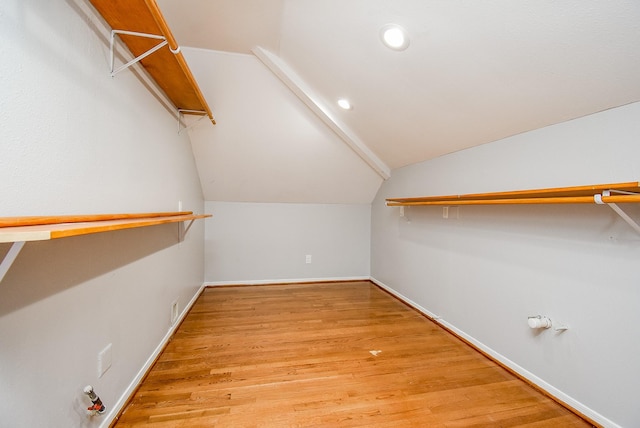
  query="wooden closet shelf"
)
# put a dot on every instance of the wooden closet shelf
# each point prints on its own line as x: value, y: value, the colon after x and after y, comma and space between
x: 167, y: 65
x: 40, y: 228
x: 19, y: 230
x: 606, y: 193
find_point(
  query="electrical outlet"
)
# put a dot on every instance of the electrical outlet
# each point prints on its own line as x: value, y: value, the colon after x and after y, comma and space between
x: 104, y: 360
x: 308, y: 258
x: 174, y: 312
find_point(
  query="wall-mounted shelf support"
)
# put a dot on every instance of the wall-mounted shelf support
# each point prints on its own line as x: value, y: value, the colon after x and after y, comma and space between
x: 184, y: 230
x: 631, y: 222
x: 10, y: 257
x: 140, y: 57
x: 182, y: 112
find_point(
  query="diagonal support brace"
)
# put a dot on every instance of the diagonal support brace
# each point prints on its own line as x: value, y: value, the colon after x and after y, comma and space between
x: 10, y: 257
x: 163, y: 42
x: 181, y: 113
x: 625, y: 217
x: 631, y: 222
x: 183, y: 230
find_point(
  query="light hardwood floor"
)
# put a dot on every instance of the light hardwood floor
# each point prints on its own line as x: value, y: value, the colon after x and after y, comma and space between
x: 327, y: 355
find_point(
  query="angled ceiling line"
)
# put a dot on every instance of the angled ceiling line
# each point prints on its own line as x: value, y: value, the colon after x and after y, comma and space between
x: 304, y: 93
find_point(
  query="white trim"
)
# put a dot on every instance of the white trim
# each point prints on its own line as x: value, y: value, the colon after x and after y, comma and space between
x: 548, y: 388
x: 306, y: 95
x: 284, y: 281
x: 122, y: 401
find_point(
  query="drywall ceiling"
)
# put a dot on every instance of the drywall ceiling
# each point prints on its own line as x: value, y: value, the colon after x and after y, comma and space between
x: 475, y: 71
x: 224, y: 25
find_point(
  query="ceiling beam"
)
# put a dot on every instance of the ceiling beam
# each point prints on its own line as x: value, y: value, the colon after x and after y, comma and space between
x: 306, y: 95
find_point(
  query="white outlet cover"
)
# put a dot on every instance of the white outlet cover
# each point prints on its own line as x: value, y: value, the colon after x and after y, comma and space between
x: 308, y: 258
x: 104, y: 360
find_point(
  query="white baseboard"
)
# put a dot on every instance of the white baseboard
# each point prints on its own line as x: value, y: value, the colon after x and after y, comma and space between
x: 119, y: 405
x: 548, y: 388
x: 284, y: 281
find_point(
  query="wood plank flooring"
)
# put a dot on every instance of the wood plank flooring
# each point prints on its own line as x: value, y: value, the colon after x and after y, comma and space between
x: 327, y: 355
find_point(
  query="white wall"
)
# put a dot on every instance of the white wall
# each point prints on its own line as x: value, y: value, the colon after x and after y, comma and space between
x: 261, y: 242
x: 74, y: 140
x: 486, y: 271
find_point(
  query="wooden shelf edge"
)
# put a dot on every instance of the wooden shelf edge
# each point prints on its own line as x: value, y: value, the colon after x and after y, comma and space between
x: 83, y: 225
x: 40, y: 220
x: 556, y: 195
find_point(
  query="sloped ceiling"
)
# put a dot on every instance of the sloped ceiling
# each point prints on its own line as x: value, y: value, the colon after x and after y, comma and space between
x: 475, y: 71
x: 267, y: 146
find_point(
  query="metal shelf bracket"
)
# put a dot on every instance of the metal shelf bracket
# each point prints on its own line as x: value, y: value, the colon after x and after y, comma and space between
x: 183, y: 230
x: 10, y: 257
x: 181, y: 113
x: 631, y: 222
x: 163, y: 42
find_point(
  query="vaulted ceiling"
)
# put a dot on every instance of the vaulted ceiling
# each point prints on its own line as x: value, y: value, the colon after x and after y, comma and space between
x: 474, y: 72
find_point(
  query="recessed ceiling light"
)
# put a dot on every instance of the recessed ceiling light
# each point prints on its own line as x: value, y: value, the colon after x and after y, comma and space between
x: 394, y: 37
x: 344, y: 103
